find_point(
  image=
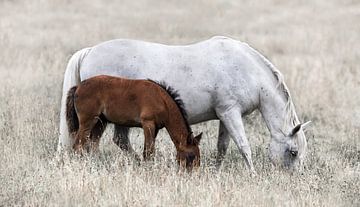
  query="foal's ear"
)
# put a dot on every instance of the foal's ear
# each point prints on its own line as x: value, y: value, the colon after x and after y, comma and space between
x: 198, y: 138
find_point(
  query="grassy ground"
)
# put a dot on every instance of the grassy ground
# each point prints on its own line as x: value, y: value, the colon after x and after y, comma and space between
x: 315, y: 45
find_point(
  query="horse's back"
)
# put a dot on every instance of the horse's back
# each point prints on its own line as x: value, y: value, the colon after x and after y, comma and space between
x: 126, y: 57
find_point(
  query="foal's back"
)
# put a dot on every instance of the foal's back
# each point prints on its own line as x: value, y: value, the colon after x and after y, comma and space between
x: 122, y: 101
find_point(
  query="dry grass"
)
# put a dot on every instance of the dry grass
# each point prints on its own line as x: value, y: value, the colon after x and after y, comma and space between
x: 315, y: 45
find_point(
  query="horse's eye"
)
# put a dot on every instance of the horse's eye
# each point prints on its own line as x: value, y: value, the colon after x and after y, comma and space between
x: 293, y: 153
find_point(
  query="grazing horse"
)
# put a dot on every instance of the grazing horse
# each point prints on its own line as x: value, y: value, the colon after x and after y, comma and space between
x: 219, y: 78
x: 131, y: 103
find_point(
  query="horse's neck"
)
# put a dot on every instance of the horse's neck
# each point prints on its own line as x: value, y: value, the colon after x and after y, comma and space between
x: 277, y: 110
x: 176, y: 125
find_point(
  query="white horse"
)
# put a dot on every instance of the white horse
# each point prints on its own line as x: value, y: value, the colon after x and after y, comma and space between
x: 219, y: 78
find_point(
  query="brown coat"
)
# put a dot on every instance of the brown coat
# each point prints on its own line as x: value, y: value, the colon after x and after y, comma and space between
x: 131, y: 103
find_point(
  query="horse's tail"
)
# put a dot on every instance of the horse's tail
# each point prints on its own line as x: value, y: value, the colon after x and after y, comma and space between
x: 71, y: 115
x: 71, y: 78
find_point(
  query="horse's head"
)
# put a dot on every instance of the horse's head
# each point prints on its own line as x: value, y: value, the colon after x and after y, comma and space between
x: 188, y: 154
x: 289, y: 149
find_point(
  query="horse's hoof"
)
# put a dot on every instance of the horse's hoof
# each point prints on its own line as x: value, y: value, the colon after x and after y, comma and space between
x: 253, y: 174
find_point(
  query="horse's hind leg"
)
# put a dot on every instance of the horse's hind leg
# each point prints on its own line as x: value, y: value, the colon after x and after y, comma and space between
x: 121, y: 139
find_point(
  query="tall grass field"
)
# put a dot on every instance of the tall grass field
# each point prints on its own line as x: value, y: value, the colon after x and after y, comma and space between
x: 315, y: 44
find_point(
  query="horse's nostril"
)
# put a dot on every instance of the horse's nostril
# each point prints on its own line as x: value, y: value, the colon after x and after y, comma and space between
x: 293, y: 153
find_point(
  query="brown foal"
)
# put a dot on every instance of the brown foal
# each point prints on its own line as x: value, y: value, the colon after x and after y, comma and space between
x: 132, y: 103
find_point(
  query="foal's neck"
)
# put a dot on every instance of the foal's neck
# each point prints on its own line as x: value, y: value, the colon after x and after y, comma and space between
x: 176, y: 125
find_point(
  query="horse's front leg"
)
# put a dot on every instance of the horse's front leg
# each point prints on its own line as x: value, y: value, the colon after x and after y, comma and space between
x: 232, y: 120
x: 222, y: 144
x: 149, y: 143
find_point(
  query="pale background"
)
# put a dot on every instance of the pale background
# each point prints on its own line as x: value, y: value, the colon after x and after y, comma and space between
x: 315, y: 44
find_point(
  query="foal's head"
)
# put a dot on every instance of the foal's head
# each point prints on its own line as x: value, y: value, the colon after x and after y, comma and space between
x: 188, y: 154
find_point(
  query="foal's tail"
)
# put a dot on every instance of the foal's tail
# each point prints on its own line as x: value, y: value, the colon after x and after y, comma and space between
x: 71, y: 116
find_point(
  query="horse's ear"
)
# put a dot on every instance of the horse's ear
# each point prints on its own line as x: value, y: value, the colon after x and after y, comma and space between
x: 305, y: 124
x: 295, y: 130
x: 298, y: 127
x: 198, y: 138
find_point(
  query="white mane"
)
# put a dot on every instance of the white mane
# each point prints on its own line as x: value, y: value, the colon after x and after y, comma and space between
x: 290, y: 116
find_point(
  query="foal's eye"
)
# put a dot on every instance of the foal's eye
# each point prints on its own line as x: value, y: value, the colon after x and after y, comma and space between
x: 190, y: 157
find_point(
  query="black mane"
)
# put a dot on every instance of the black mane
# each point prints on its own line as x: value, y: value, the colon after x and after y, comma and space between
x: 176, y: 97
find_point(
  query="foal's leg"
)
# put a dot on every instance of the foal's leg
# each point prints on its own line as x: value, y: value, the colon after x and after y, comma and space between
x: 149, y: 144
x: 234, y: 125
x: 222, y: 144
x: 83, y: 134
x: 82, y: 138
x: 96, y: 134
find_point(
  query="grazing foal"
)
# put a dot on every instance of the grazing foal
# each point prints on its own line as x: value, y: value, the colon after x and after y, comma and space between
x: 131, y: 103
